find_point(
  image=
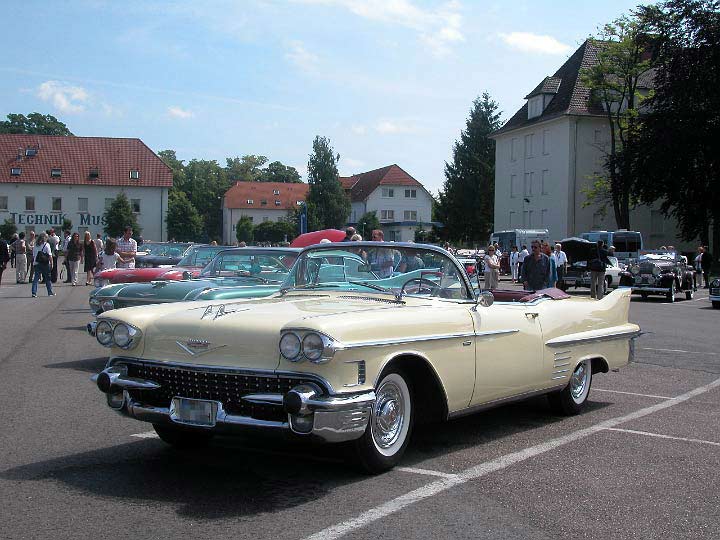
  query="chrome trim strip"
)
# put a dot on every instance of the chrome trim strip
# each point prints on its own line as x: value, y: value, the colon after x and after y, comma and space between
x: 562, y: 365
x: 651, y: 289
x: 560, y: 377
x: 563, y: 352
x: 419, y: 339
x: 502, y: 401
x: 264, y: 399
x: 561, y: 370
x: 561, y: 358
x: 563, y: 341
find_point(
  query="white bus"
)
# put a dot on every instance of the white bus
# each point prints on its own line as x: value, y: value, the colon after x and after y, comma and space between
x: 627, y: 244
x: 518, y: 237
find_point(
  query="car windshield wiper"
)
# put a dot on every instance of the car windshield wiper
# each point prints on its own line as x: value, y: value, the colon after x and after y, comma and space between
x: 309, y: 286
x: 398, y: 296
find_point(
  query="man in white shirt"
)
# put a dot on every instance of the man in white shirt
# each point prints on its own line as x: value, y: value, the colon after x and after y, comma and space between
x: 127, y: 249
x: 560, y: 261
x: 521, y: 257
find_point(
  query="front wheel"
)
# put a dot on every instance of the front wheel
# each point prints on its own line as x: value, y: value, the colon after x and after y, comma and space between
x: 571, y: 399
x: 181, y: 437
x: 388, y: 432
x: 671, y: 293
x: 689, y: 294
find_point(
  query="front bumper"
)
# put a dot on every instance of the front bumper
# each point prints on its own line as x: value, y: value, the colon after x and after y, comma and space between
x: 307, y: 411
x: 659, y: 290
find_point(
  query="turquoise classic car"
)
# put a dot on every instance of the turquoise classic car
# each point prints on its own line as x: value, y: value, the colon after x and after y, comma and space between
x: 232, y: 274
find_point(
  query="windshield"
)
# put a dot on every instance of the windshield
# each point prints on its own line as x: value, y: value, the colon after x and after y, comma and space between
x: 165, y: 249
x: 273, y: 267
x: 200, y: 256
x: 373, y: 267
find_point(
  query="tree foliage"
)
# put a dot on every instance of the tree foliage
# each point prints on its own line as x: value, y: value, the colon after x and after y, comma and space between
x: 367, y: 223
x: 118, y: 216
x: 274, y: 231
x: 680, y: 163
x: 34, y: 124
x: 245, y: 169
x: 205, y: 184
x: 328, y: 206
x: 467, y: 198
x: 623, y: 60
x: 277, y: 172
x: 244, y: 230
x: 7, y: 229
x: 184, y: 223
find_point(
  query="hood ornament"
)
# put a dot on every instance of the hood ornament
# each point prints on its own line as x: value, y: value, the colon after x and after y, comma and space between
x: 196, y: 347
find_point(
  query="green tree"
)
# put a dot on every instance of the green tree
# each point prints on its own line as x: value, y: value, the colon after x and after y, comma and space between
x: 245, y: 169
x: 205, y: 184
x: 7, y: 229
x: 277, y: 172
x: 367, y: 223
x: 34, y: 124
x: 328, y: 206
x: 679, y: 165
x: 467, y: 198
x: 615, y: 84
x: 273, y: 231
x: 244, y: 230
x: 178, y: 168
x: 67, y: 224
x: 118, y: 216
x: 184, y: 223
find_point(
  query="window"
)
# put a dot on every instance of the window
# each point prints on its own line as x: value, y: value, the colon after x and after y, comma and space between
x: 544, y: 182
x: 543, y: 216
x: 263, y: 202
x: 15, y: 171
x: 250, y: 201
x: 135, y: 203
x: 514, y: 192
x: 56, y: 204
x: 535, y: 106
x: 265, y: 218
x: 3, y: 202
x: 56, y: 173
x: 513, y: 149
x: 31, y: 152
x: 388, y: 192
x: 528, y: 187
x: 30, y: 204
x: 277, y: 203
x: 546, y: 142
x: 411, y: 193
x: 94, y: 173
x: 410, y: 215
x: 529, y: 141
x: 108, y: 203
x: 134, y: 174
x: 82, y: 204
x: 387, y: 215
x: 276, y: 192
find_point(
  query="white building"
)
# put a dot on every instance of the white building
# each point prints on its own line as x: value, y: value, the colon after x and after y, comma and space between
x: 45, y: 179
x: 547, y: 155
x: 400, y: 202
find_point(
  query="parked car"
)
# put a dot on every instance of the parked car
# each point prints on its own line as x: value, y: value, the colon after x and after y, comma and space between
x: 344, y: 356
x: 579, y: 252
x: 195, y: 259
x: 233, y: 273
x: 160, y: 254
x: 715, y: 293
x: 660, y: 272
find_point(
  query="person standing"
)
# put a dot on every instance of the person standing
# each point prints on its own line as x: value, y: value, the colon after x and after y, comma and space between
x: 30, y: 244
x: 560, y: 261
x: 521, y: 259
x: 514, y: 266
x: 99, y: 246
x: 535, y: 269
x: 552, y: 280
x: 11, y: 246
x: 706, y: 263
x: 698, y: 268
x: 4, y: 256
x: 66, y: 264
x: 381, y: 260
x: 74, y: 255
x: 43, y: 262
x: 492, y: 268
x: 90, y: 255
x: 20, y: 247
x: 597, y: 268
x: 54, y: 241
x: 127, y: 249
x: 349, y: 233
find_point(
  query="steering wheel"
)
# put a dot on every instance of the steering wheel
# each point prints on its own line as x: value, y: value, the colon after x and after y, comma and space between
x: 423, y: 285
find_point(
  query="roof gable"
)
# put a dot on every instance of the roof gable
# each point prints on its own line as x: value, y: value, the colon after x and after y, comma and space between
x: 288, y: 195
x: 360, y: 186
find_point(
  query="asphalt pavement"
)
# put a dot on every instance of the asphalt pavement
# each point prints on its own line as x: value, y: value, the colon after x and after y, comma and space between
x: 643, y: 460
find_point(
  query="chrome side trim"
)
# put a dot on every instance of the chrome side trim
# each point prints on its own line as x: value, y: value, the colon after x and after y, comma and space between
x: 419, y: 339
x: 502, y: 401
x: 562, y: 365
x: 563, y: 341
x: 560, y: 377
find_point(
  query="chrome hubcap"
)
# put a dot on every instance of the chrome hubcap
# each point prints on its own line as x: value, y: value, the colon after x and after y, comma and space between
x: 579, y: 381
x: 389, y: 415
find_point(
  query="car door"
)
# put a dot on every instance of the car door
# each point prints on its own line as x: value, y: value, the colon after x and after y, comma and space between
x: 508, y: 350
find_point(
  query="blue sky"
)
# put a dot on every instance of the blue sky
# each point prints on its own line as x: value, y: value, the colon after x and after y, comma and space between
x: 387, y: 81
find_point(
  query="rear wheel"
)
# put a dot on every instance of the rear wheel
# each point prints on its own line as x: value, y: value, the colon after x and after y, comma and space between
x: 571, y: 399
x: 388, y: 432
x: 183, y: 437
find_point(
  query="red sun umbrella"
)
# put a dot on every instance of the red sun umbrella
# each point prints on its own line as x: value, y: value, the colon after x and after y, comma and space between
x: 311, y: 238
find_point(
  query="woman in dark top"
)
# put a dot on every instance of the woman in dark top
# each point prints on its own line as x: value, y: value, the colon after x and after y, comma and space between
x: 74, y: 254
x: 90, y: 251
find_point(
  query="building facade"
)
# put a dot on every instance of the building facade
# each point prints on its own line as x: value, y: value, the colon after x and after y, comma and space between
x: 401, y: 203
x: 46, y: 179
x: 551, y: 152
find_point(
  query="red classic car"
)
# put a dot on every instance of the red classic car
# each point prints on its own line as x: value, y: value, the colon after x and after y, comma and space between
x: 190, y: 265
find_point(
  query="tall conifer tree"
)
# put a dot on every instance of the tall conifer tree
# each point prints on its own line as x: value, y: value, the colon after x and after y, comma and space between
x: 328, y: 206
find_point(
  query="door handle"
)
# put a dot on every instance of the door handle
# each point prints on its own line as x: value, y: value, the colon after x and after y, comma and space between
x: 531, y: 315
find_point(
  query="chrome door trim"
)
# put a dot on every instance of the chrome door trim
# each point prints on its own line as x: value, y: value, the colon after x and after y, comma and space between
x: 570, y: 340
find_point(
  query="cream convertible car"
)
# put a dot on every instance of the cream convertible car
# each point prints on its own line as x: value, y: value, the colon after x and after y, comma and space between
x: 362, y: 341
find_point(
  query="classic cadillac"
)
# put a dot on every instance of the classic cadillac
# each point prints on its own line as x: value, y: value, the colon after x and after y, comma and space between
x: 659, y: 272
x: 714, y: 293
x: 362, y: 341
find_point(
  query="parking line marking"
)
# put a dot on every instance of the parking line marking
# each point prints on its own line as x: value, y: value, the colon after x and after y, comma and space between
x: 658, y: 435
x: 146, y: 435
x: 678, y: 350
x: 483, y: 469
x: 630, y: 393
x: 425, y: 471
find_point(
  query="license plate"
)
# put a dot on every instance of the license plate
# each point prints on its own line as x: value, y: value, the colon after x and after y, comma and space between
x: 195, y: 412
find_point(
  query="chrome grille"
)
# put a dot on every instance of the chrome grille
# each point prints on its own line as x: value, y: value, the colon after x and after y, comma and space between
x: 225, y: 387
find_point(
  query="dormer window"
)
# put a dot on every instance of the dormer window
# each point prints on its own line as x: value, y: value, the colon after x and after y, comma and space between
x: 250, y: 201
x: 31, y: 152
x: 94, y: 173
x: 277, y: 203
x: 56, y: 173
x: 542, y: 95
x: 276, y: 192
x: 535, y: 106
x: 134, y: 174
x: 15, y: 171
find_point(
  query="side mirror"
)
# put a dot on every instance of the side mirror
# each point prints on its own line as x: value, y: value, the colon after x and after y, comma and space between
x: 486, y: 299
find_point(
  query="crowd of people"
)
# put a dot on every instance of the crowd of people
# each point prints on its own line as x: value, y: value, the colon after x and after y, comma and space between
x: 35, y: 257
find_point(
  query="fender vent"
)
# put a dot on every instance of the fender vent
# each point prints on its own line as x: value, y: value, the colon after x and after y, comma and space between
x: 561, y: 365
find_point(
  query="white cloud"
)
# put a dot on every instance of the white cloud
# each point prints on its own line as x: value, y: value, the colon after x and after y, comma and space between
x: 358, y: 130
x: 352, y: 163
x: 177, y: 112
x: 301, y: 57
x: 438, y: 28
x: 66, y: 98
x: 390, y: 127
x: 535, y: 43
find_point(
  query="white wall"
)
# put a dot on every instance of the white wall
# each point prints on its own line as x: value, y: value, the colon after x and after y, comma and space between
x: 232, y: 215
x: 421, y: 204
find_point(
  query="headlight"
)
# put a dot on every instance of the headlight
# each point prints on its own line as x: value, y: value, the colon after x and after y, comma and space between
x: 656, y: 271
x: 104, y: 333
x: 313, y: 346
x: 107, y: 305
x: 290, y: 347
x: 94, y: 302
x: 715, y: 283
x: 634, y: 269
x: 121, y: 335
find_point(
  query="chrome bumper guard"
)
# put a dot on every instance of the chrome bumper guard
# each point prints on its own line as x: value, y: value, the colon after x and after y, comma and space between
x: 335, y: 418
x: 663, y: 290
x: 91, y: 326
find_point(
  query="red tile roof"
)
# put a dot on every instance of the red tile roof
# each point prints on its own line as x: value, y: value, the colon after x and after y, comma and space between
x: 360, y: 186
x: 77, y: 156
x: 237, y: 196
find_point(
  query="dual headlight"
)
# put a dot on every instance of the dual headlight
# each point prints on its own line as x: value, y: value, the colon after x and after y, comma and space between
x: 298, y: 345
x: 634, y: 269
x: 118, y: 334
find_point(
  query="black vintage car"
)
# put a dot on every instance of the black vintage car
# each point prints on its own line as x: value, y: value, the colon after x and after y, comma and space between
x: 659, y: 272
x: 579, y: 251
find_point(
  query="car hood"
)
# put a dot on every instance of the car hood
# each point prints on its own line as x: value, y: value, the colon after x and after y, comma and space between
x: 579, y: 249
